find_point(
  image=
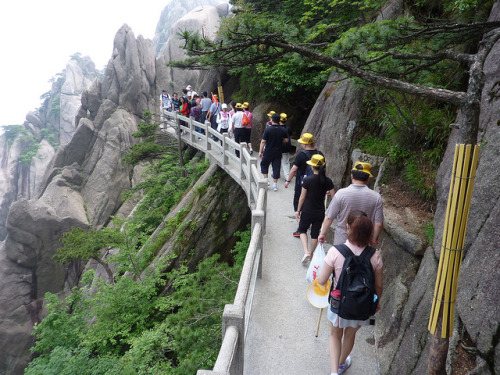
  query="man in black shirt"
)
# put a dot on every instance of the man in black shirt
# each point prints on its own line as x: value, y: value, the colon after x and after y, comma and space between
x: 270, y: 149
x: 299, y: 168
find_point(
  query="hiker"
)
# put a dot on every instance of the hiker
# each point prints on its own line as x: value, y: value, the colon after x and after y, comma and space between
x: 270, y: 121
x: 175, y: 102
x: 299, y: 168
x: 236, y: 126
x: 343, y: 331
x: 248, y: 129
x: 311, y: 208
x: 287, y: 146
x: 205, y: 106
x: 270, y: 149
x: 165, y: 103
x: 214, y: 110
x: 223, y: 120
x: 195, y: 112
x: 356, y: 197
x: 183, y: 110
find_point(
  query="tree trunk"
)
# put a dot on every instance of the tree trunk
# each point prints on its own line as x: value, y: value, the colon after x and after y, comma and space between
x: 438, y: 351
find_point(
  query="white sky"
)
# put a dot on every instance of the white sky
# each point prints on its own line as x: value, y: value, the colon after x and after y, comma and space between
x: 37, y: 38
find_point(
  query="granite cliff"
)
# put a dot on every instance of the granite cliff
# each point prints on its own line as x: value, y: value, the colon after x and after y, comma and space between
x: 83, y: 182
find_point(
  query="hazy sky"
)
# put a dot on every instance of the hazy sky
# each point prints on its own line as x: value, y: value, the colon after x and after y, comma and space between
x: 38, y: 37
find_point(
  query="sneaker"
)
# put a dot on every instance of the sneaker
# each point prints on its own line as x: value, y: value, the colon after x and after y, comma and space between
x: 345, y: 366
x: 275, y: 186
x: 296, y: 234
x: 306, y: 258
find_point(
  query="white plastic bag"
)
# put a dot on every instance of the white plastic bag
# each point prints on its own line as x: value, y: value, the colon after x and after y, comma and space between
x: 316, y: 264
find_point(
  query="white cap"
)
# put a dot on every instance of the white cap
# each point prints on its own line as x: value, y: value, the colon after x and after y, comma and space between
x: 189, y: 88
x: 224, y: 105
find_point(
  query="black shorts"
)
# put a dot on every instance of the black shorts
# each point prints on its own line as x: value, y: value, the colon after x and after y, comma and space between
x: 311, y: 220
x: 275, y: 160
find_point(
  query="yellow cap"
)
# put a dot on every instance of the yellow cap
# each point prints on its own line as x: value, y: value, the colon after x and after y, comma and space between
x: 307, y: 139
x: 317, y: 160
x: 283, y: 117
x: 271, y: 113
x: 362, y: 167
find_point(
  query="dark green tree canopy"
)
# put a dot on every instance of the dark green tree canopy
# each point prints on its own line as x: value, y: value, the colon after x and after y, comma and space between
x: 347, y: 36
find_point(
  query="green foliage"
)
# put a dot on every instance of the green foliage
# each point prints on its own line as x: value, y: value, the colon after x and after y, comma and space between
x: 163, y: 189
x: 142, y: 151
x: 64, y: 324
x: 374, y: 145
x: 12, y: 131
x: 429, y: 232
x: 52, y: 136
x: 240, y: 248
x: 135, y: 326
x: 30, y: 148
x: 411, y: 132
x: 85, y: 244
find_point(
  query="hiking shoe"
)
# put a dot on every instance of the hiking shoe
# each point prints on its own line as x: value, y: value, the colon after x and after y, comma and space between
x: 275, y: 186
x: 296, y: 234
x: 345, y: 366
x: 306, y: 258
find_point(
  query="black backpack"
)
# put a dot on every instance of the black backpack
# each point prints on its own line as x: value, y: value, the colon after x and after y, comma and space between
x: 356, y: 284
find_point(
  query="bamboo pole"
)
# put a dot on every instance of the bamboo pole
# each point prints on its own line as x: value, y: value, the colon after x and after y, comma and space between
x: 455, y: 226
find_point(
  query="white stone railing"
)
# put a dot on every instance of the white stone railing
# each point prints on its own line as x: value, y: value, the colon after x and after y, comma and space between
x: 220, y: 149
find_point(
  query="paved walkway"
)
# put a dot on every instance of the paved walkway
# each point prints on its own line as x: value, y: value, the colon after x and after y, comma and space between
x: 281, y: 333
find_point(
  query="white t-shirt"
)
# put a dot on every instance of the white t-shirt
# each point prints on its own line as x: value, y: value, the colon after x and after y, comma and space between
x: 236, y: 119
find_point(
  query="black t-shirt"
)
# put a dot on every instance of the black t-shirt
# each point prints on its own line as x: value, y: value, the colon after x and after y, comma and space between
x: 301, y: 160
x: 315, y: 198
x: 274, y: 135
x: 287, y: 147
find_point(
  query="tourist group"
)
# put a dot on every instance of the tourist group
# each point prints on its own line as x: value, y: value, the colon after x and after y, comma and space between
x: 353, y: 262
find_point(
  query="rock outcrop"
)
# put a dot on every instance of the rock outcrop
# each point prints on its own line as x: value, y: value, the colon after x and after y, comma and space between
x: 174, y: 11
x: 78, y: 77
x: 204, y: 19
x: 51, y: 124
x: 81, y: 186
x: 478, y: 299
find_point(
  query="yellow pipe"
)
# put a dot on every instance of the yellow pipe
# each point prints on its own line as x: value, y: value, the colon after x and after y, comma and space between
x: 449, y: 256
x: 436, y: 306
x: 455, y: 225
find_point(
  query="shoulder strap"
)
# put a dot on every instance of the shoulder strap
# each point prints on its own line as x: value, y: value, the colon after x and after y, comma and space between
x: 367, y: 252
x: 344, y: 250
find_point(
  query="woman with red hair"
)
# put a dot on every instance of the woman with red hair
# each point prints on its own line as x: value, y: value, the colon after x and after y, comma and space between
x: 343, y: 331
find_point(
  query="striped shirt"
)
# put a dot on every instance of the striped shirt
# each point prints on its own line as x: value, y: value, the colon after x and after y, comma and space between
x: 353, y: 198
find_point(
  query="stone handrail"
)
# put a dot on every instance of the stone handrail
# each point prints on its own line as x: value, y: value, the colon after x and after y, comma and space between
x: 220, y: 149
